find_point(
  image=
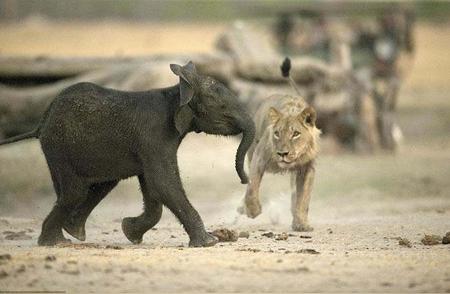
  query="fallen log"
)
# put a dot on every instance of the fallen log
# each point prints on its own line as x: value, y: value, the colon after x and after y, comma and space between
x: 21, y: 108
x: 214, y: 64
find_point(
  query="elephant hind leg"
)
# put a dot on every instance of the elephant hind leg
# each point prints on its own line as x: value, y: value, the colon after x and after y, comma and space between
x: 134, y: 228
x: 51, y: 233
x: 70, y: 191
x: 75, y: 223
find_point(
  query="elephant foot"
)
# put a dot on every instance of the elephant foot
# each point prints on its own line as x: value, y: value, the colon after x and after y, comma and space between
x: 204, y: 240
x: 76, y: 228
x: 129, y: 229
x: 302, y: 227
x: 52, y: 240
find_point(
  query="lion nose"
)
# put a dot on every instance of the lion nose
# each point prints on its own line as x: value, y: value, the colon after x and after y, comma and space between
x: 283, y: 153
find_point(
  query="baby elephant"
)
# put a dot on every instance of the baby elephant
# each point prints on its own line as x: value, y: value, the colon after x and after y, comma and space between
x: 93, y: 137
x: 286, y: 141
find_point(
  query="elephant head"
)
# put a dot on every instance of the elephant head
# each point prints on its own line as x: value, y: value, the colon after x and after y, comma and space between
x: 206, y: 105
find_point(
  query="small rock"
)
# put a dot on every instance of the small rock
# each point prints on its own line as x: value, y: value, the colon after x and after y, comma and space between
x: 308, y: 251
x: 281, y: 237
x: 330, y: 231
x: 244, y: 234
x: 50, y: 258
x: 21, y: 269
x: 115, y: 230
x: 72, y: 261
x: 105, y: 233
x: 47, y: 266
x: 3, y: 274
x: 70, y: 271
x: 4, y: 257
x: 225, y: 235
x: 249, y: 249
x: 404, y: 242
x: 268, y: 234
x: 446, y: 239
x: 298, y: 269
x: 4, y: 222
x: 431, y: 240
x: 305, y: 237
x: 22, y: 235
x: 116, y: 247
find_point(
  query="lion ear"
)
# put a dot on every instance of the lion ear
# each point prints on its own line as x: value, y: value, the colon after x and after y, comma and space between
x: 274, y: 115
x: 308, y: 116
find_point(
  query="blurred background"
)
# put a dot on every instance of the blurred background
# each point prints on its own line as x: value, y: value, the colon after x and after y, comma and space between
x: 376, y: 71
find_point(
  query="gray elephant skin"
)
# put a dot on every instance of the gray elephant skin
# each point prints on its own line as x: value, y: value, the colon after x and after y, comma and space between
x: 93, y: 137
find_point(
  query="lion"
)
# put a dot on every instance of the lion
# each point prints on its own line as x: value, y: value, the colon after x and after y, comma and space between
x: 286, y: 141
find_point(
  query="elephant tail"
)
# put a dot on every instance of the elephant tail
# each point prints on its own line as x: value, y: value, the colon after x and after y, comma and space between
x: 33, y: 134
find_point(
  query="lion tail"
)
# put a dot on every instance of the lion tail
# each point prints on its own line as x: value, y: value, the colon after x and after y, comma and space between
x: 285, y: 72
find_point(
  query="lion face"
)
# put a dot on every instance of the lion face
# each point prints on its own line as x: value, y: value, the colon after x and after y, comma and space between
x: 294, y: 137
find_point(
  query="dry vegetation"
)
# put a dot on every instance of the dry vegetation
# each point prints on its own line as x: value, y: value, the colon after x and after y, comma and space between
x: 360, y: 206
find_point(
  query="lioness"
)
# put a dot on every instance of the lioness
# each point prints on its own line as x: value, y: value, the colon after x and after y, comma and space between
x: 286, y: 140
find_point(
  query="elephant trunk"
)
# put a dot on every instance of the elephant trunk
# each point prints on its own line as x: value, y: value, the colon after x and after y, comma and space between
x: 248, y: 134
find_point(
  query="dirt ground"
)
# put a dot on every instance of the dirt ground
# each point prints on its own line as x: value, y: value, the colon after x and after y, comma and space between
x: 361, y: 205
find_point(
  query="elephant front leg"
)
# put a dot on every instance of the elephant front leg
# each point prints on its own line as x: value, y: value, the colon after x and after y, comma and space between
x: 252, y: 205
x: 165, y: 178
x: 302, y: 184
x: 134, y: 228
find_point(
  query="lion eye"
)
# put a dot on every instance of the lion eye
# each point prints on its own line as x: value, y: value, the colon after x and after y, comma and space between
x: 295, y: 134
x: 276, y: 134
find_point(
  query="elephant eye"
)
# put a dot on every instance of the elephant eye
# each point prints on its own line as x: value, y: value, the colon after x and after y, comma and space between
x: 276, y: 134
x: 295, y: 135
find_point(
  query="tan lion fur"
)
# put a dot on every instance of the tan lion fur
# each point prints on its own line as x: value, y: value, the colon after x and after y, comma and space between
x: 287, y: 140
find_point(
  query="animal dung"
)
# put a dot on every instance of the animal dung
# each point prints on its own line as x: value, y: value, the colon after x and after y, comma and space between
x: 225, y: 235
x: 268, y: 234
x: 22, y: 235
x: 431, y: 240
x: 308, y: 251
x: 244, y: 234
x: 281, y: 237
x: 404, y: 242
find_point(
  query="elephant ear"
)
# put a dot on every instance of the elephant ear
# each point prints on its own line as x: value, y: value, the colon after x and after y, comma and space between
x: 187, y: 76
x: 183, y: 119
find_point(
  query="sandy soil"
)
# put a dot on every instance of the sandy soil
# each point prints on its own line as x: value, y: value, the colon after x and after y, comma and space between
x: 360, y: 207
x: 357, y: 251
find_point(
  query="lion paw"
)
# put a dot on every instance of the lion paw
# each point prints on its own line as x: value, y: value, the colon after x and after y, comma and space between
x: 253, y: 208
x: 302, y: 227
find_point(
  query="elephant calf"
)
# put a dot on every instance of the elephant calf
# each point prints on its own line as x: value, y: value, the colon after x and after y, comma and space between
x: 93, y: 137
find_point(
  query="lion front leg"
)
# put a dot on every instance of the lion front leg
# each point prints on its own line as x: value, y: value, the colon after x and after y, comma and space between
x: 252, y: 206
x: 301, y: 183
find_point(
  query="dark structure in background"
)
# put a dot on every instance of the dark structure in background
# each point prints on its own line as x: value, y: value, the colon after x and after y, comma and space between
x: 383, y: 47
x: 350, y: 68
